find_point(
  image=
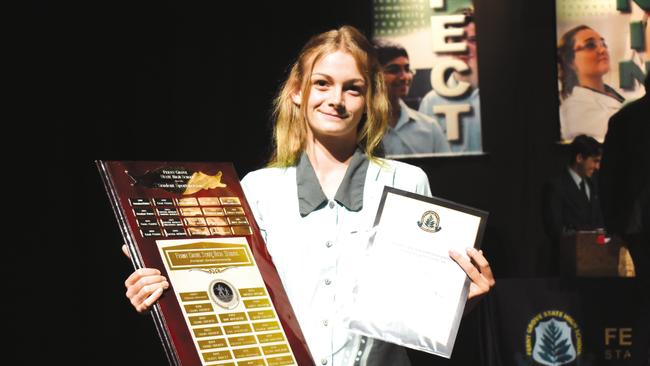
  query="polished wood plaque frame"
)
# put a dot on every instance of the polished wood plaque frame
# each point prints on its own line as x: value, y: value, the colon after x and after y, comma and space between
x: 150, y: 200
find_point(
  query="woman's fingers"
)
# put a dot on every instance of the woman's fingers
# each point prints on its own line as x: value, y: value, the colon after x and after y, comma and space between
x: 483, y: 265
x: 140, y: 273
x: 147, y: 295
x: 467, y: 266
x: 125, y: 250
x: 151, y: 299
x: 144, y: 284
x: 144, y: 287
x: 479, y: 271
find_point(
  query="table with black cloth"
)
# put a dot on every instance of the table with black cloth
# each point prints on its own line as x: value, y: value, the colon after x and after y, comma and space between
x: 566, y: 321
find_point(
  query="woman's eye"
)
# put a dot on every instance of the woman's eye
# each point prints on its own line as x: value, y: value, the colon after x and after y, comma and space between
x: 320, y: 83
x: 355, y: 90
x: 591, y: 45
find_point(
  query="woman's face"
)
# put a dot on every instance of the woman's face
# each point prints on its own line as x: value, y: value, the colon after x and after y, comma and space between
x: 591, y: 55
x: 337, y: 96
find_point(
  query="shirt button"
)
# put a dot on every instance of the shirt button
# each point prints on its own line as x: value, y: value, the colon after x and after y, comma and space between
x: 328, y: 281
x: 331, y: 204
x: 323, y: 361
x: 328, y: 244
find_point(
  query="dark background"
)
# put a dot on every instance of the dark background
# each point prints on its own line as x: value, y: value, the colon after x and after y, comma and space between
x: 144, y: 80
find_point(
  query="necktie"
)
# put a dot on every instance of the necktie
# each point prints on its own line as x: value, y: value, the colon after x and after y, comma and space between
x: 583, y: 189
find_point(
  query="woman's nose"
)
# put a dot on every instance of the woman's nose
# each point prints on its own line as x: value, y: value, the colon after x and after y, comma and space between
x: 336, y: 98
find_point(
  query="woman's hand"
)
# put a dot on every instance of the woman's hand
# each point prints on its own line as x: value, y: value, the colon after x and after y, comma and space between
x: 144, y: 286
x: 479, y: 272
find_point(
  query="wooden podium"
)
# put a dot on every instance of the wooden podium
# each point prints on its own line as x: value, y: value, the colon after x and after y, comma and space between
x: 588, y: 254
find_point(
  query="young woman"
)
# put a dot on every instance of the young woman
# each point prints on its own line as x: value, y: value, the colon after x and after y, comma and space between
x: 587, y: 102
x: 321, y: 192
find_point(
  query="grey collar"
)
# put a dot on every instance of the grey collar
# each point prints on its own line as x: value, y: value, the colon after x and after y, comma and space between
x: 349, y: 193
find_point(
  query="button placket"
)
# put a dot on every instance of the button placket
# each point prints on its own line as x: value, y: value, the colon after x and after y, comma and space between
x: 325, y: 297
x: 335, y: 219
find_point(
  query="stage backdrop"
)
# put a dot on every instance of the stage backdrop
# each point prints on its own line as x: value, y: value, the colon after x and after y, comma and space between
x: 603, y: 55
x: 440, y: 38
x: 566, y: 321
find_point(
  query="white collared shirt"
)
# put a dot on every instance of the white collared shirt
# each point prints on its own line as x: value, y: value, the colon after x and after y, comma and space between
x: 470, y: 123
x: 414, y: 133
x: 577, y: 179
x: 586, y: 112
x: 309, y: 252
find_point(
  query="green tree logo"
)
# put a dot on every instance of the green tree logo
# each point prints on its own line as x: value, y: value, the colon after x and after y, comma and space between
x: 430, y: 222
x: 553, y: 346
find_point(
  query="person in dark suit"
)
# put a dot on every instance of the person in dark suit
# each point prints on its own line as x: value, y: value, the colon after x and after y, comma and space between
x: 625, y: 180
x: 571, y: 200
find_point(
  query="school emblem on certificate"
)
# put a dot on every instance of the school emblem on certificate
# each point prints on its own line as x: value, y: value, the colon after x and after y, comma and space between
x: 226, y: 304
x: 430, y: 222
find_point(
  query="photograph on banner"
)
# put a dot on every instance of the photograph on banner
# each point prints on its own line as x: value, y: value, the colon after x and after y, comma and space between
x: 427, y: 49
x: 603, y: 55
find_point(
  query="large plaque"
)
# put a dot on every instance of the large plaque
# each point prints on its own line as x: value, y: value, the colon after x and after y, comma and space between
x: 226, y: 304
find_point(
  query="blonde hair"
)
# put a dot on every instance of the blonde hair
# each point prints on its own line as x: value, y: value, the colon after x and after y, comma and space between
x: 290, y: 131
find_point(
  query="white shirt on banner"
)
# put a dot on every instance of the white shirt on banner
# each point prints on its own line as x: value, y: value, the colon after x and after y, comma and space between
x: 414, y: 133
x: 470, y: 123
x: 586, y: 112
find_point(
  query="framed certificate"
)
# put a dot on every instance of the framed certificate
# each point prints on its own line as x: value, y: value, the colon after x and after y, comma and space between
x: 226, y: 304
x: 409, y: 291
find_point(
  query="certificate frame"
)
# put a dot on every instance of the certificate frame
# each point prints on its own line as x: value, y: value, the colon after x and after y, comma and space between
x: 410, y: 240
x: 158, y: 206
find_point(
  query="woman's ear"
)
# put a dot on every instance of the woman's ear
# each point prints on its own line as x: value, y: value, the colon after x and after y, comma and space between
x: 296, y: 97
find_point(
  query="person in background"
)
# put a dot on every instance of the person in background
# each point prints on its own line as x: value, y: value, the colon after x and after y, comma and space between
x: 571, y: 200
x: 470, y: 122
x: 409, y: 132
x: 587, y: 102
x: 625, y: 179
x: 625, y: 183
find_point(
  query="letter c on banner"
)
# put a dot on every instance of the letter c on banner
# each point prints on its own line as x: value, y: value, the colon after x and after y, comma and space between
x: 439, y: 83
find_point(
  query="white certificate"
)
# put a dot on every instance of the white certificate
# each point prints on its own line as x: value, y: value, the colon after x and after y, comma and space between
x: 408, y: 290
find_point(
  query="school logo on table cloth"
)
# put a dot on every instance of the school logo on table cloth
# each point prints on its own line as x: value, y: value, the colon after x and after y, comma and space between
x: 553, y: 338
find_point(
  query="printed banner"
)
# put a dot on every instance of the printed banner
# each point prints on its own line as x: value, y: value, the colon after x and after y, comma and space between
x: 427, y: 49
x: 603, y: 56
x: 565, y: 321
